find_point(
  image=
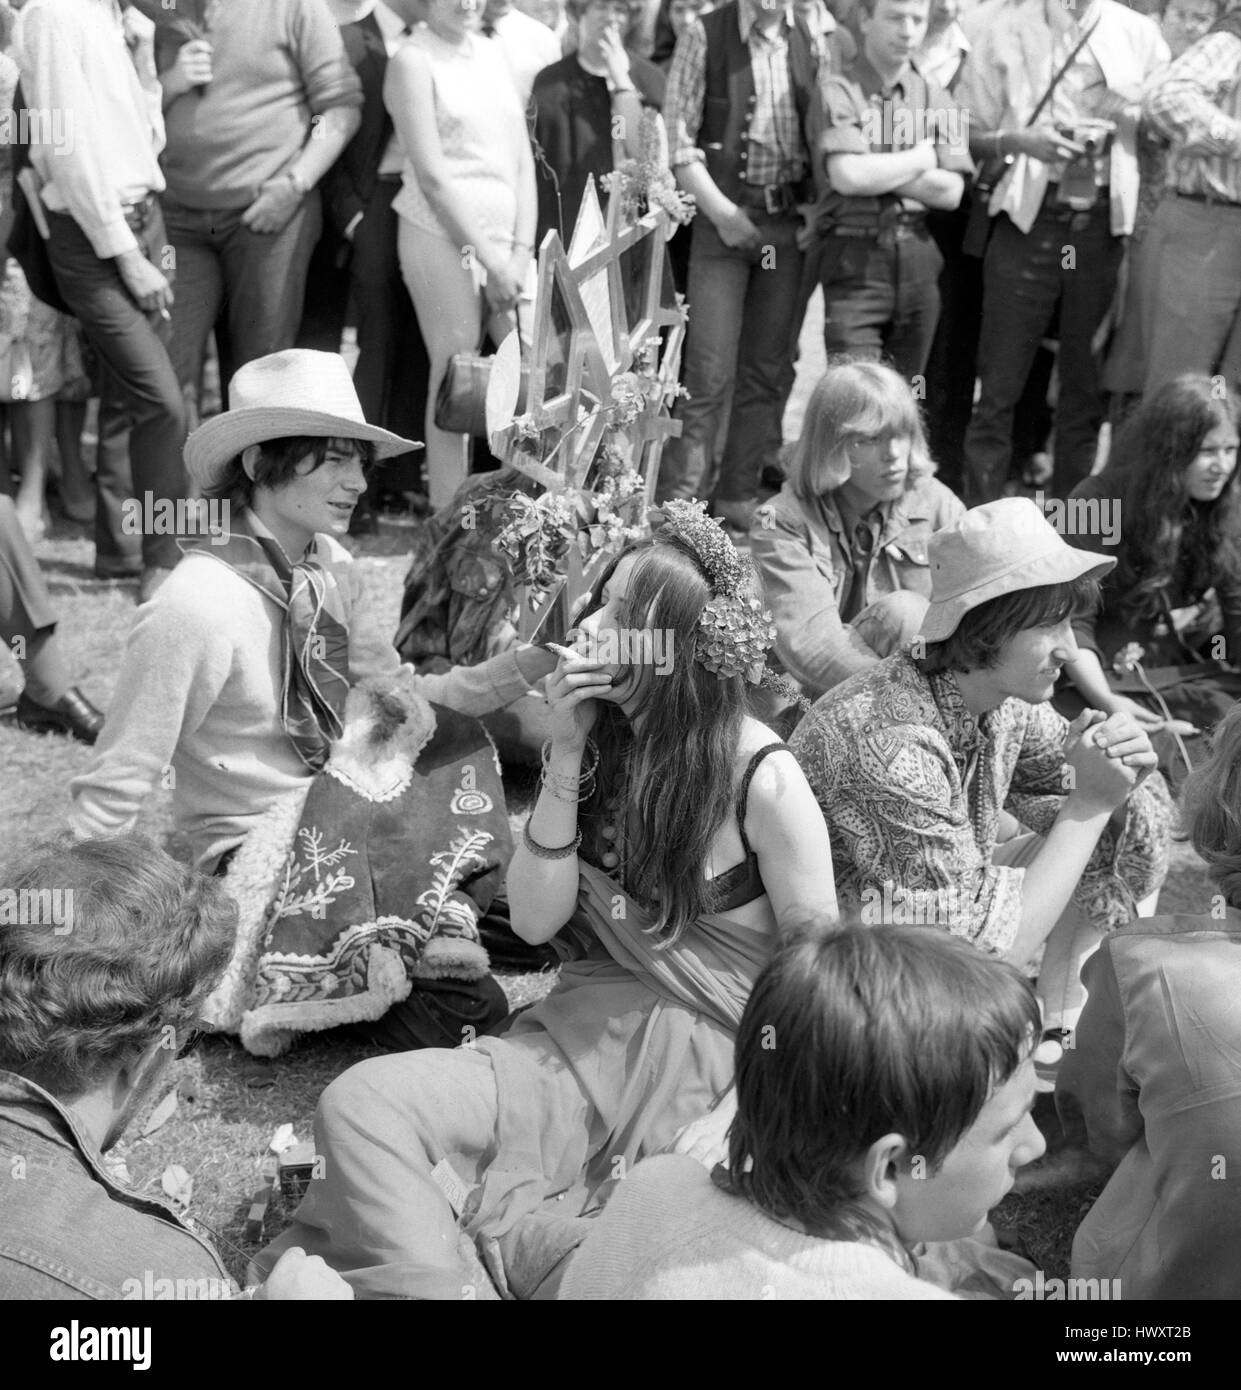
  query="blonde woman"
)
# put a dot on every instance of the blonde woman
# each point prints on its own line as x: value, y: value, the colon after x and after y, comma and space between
x: 841, y: 549
x: 467, y: 205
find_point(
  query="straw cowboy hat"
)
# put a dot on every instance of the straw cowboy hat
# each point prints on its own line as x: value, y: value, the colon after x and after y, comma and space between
x: 282, y: 396
x: 996, y: 549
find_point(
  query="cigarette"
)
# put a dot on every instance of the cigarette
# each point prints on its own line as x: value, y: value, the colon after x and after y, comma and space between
x: 558, y: 649
x: 165, y: 315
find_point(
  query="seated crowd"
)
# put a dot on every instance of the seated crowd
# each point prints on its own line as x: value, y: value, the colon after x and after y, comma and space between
x: 835, y: 891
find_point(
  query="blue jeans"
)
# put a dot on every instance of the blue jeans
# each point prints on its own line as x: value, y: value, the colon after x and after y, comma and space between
x: 881, y: 300
x: 741, y: 304
x: 257, y: 278
x: 1025, y: 278
x: 141, y: 415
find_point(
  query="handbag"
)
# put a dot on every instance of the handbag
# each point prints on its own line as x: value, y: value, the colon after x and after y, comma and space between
x: 25, y: 241
x: 461, y: 401
x: 991, y: 171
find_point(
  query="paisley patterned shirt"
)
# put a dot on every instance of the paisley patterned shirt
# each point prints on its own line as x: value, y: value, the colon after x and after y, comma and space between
x: 912, y: 784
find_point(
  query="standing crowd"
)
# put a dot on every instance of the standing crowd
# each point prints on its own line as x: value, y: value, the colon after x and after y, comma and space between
x: 834, y: 894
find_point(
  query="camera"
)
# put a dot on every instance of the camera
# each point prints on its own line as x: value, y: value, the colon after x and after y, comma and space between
x: 1095, y: 137
x: 1079, y: 184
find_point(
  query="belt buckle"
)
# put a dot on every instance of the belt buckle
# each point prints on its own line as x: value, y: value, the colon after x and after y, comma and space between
x: 773, y: 198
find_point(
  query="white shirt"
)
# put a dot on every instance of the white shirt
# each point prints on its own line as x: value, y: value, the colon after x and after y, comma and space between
x: 76, y: 67
x: 528, y: 48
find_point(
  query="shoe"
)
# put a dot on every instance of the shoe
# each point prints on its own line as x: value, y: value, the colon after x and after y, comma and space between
x: 72, y: 714
x: 151, y: 582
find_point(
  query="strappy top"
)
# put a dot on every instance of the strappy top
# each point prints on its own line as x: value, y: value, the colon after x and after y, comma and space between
x: 742, y: 883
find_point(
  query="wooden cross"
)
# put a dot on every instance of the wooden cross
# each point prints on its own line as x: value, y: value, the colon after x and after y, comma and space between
x: 599, y: 314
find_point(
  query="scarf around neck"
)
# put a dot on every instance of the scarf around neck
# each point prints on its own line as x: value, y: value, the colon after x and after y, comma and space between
x: 314, y: 678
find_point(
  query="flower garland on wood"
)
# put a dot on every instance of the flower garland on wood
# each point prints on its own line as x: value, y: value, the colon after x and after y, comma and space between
x: 536, y: 533
x: 646, y: 183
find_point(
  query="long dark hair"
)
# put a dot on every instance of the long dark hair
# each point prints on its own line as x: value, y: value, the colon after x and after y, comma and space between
x: 1167, y: 535
x: 674, y: 763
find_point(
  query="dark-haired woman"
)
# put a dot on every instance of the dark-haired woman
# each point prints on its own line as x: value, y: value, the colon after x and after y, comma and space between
x: 1167, y: 507
x: 671, y: 833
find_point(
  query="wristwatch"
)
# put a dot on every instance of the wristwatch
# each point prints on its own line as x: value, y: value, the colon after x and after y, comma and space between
x: 301, y: 187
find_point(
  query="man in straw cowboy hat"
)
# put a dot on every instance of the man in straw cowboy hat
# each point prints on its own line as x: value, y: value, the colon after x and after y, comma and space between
x: 235, y: 674
x: 956, y: 796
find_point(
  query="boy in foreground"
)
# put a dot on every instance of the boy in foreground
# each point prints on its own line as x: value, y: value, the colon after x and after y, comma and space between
x: 884, y: 1088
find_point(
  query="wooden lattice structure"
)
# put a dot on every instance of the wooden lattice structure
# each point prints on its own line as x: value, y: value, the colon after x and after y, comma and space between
x: 605, y: 313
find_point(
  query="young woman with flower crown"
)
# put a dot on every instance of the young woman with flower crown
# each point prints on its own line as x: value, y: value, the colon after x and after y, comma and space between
x: 672, y: 832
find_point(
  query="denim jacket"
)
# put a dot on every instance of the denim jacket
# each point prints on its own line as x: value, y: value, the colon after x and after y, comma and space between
x: 804, y: 556
x: 67, y: 1230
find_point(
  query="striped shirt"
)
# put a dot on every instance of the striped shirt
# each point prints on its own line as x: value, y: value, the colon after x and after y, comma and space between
x: 775, y: 152
x: 1197, y: 106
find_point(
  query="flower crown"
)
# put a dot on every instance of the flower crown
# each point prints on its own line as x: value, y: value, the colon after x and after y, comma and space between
x: 735, y: 631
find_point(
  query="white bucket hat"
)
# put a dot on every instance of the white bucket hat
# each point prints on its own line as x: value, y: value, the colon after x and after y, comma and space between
x: 281, y: 396
x: 996, y: 549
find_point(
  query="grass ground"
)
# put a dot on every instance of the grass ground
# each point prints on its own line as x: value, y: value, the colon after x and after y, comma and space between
x: 229, y: 1104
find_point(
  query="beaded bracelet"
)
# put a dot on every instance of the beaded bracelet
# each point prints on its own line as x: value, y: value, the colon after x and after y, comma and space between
x: 583, y: 793
x: 542, y: 852
x: 591, y: 747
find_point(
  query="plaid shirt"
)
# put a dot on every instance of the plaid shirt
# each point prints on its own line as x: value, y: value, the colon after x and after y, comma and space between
x: 911, y: 785
x: 776, y: 152
x: 1197, y: 106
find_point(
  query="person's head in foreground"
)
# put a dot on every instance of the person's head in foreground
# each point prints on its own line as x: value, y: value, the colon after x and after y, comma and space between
x: 678, y: 623
x: 103, y: 980
x: 294, y: 446
x: 95, y: 1007
x: 1211, y: 807
x: 862, y: 434
x: 1005, y: 587
x: 1173, y: 468
x: 885, y: 1082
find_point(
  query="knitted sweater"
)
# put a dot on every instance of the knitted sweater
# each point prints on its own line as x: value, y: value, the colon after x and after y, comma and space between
x: 275, y: 66
x: 669, y: 1233
x: 196, y: 706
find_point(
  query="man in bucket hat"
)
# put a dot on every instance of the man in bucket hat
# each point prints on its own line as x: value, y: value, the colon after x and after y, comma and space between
x: 235, y: 674
x: 956, y: 796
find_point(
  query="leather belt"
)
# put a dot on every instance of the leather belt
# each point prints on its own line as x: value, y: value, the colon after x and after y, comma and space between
x: 896, y: 228
x: 138, y: 214
x: 775, y: 199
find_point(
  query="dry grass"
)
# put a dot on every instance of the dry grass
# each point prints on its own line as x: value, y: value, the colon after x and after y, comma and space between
x: 231, y: 1103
